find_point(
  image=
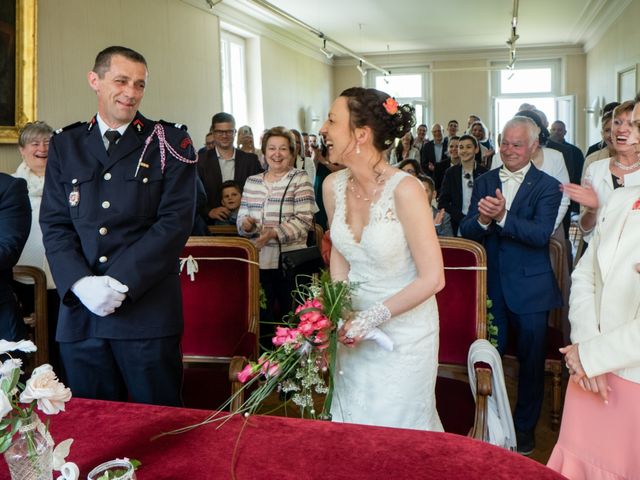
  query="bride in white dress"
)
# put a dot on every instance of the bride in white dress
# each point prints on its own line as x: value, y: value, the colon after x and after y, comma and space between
x: 383, y: 240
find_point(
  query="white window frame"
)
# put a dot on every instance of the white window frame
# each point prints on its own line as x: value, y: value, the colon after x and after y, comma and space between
x: 555, y: 93
x: 234, y: 82
x: 424, y: 100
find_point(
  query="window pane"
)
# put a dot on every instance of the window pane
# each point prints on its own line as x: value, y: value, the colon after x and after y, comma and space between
x: 400, y: 86
x: 533, y: 80
x: 234, y: 97
x: 506, y: 108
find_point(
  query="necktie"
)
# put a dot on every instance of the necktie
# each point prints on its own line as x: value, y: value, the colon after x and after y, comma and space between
x: 506, y: 176
x: 112, y: 136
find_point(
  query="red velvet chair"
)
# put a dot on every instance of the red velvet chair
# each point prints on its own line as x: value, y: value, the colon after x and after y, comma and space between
x: 221, y: 314
x: 462, y: 307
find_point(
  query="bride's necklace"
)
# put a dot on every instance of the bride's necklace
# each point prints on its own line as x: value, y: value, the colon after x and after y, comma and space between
x: 626, y: 168
x: 379, y: 182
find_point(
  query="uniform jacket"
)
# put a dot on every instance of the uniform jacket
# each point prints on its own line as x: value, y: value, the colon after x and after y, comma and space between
x: 15, y: 223
x: 604, y: 306
x: 518, y: 255
x: 247, y: 164
x: 100, y: 216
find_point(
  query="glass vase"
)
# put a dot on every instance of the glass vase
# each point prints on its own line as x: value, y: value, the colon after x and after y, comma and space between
x: 30, y: 456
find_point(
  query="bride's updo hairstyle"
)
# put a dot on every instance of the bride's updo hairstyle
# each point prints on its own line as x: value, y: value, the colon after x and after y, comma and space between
x: 372, y: 108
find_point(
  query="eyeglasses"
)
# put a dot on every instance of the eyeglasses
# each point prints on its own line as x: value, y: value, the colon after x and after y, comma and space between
x: 224, y: 132
x: 467, y: 177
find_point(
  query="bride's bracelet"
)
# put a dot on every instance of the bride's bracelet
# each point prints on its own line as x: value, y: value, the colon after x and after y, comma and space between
x: 367, y: 320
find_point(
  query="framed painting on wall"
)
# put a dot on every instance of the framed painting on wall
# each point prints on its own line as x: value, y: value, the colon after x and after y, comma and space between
x: 17, y: 66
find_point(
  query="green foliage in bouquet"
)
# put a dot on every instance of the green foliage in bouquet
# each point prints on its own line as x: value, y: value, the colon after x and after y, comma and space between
x: 492, y: 329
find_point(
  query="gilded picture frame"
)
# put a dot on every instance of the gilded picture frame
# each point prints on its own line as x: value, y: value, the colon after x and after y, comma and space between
x: 18, y: 75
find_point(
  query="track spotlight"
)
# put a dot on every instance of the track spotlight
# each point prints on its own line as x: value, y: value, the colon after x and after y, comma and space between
x: 362, y: 71
x: 327, y: 53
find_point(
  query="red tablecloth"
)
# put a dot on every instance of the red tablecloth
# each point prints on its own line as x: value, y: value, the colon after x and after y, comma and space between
x: 273, y: 447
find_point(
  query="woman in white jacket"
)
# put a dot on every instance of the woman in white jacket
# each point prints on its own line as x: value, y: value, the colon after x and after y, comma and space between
x: 599, y: 431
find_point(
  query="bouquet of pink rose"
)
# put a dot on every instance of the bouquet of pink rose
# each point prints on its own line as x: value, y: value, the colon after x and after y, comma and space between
x: 304, y: 358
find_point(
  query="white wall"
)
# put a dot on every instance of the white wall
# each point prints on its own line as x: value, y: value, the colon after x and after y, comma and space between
x: 180, y: 43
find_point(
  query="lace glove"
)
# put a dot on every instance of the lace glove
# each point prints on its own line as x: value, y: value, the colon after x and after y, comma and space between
x: 366, y: 320
x: 101, y: 295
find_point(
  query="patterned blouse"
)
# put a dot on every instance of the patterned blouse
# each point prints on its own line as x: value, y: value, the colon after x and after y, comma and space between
x: 261, y: 200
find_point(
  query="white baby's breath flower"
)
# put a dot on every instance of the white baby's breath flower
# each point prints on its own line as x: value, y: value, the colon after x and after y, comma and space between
x: 22, y: 345
x: 44, y: 387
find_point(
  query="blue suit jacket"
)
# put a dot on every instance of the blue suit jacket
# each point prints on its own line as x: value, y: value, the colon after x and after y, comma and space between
x: 15, y: 223
x: 101, y: 215
x: 518, y: 254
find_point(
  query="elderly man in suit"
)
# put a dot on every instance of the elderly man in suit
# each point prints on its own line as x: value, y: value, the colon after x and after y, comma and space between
x: 512, y: 213
x: 117, y: 209
x: 224, y: 163
x: 15, y: 224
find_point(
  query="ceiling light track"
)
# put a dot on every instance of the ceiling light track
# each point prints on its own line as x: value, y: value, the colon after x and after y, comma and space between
x: 361, y: 60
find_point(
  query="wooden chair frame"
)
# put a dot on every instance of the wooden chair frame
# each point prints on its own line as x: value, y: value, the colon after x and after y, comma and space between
x: 479, y: 430
x: 41, y: 329
x: 223, y: 230
x: 235, y: 363
x: 553, y: 365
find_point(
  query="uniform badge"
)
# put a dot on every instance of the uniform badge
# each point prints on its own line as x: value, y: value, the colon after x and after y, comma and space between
x: 186, y: 141
x: 74, y: 197
x: 138, y: 125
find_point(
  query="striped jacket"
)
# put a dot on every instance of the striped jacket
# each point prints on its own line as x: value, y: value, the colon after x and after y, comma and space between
x: 261, y: 201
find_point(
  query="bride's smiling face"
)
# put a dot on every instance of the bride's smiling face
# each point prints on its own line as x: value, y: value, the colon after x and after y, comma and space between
x: 337, y: 132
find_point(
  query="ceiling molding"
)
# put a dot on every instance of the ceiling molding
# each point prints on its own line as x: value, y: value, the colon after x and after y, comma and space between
x: 412, y: 59
x: 601, y: 18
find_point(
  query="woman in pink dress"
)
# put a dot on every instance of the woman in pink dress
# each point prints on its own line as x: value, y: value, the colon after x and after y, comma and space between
x: 601, y: 421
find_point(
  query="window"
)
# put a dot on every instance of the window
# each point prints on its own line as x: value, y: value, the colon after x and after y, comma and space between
x: 407, y: 86
x: 233, y: 64
x: 536, y: 83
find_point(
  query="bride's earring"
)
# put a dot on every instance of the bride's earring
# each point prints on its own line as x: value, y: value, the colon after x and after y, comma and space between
x: 357, y: 149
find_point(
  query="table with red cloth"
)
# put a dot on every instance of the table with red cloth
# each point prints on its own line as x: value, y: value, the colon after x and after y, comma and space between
x: 273, y: 447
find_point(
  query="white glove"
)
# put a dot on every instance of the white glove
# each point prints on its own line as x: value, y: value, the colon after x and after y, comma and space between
x: 101, y: 295
x: 376, y: 335
x: 382, y: 339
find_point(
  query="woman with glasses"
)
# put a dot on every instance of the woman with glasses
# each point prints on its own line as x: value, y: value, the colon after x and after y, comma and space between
x: 457, y: 185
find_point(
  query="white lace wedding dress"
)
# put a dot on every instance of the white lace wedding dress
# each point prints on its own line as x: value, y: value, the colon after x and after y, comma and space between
x: 374, y: 386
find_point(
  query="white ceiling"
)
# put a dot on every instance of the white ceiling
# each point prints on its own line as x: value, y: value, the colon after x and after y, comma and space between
x: 378, y: 26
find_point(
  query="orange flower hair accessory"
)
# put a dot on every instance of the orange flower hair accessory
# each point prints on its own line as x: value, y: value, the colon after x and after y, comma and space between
x: 391, y: 106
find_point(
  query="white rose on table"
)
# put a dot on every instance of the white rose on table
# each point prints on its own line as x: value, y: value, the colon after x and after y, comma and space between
x: 45, y: 387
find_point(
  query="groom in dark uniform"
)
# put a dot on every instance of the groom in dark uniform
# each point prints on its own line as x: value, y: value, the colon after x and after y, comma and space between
x: 117, y: 209
x: 512, y: 213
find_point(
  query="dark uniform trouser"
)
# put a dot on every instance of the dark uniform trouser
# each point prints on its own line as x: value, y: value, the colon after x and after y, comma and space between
x: 144, y: 371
